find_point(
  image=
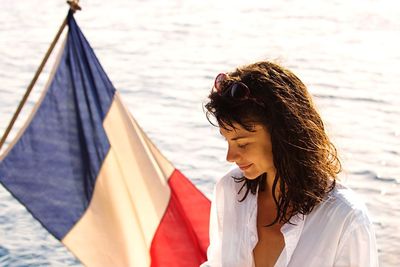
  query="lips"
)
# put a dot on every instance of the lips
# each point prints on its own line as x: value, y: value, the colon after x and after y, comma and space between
x: 244, y: 167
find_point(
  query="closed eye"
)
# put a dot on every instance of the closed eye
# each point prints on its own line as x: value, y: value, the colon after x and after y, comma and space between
x: 243, y: 145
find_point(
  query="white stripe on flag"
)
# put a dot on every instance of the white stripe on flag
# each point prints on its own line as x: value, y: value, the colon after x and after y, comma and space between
x: 130, y: 197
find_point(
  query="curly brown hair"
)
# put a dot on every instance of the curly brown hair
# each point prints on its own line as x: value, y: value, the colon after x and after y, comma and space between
x: 306, y: 161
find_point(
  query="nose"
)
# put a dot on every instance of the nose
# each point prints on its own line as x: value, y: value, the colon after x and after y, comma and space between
x: 232, y: 154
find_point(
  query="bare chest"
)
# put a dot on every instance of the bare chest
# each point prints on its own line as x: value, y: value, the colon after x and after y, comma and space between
x: 269, y: 246
x: 270, y: 239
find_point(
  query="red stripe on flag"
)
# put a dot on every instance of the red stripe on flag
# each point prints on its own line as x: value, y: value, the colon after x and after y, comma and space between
x: 182, y: 236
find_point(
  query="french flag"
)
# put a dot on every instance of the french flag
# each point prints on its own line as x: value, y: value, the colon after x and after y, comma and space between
x: 88, y: 173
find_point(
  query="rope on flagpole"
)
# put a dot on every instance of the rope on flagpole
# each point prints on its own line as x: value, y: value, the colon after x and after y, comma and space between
x: 74, y: 6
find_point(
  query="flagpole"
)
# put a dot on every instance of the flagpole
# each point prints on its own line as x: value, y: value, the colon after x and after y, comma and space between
x: 74, y: 6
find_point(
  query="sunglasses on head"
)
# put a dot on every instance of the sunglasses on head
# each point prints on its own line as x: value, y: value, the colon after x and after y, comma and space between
x: 237, y: 90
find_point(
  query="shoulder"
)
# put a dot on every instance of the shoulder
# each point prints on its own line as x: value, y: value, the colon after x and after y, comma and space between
x: 357, y: 243
x: 345, y: 207
x: 339, y: 230
x: 227, y: 180
x: 230, y: 187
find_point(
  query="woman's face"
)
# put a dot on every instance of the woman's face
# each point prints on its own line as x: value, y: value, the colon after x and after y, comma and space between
x: 251, y: 151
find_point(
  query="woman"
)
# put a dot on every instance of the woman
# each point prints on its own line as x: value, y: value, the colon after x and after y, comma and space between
x: 282, y: 206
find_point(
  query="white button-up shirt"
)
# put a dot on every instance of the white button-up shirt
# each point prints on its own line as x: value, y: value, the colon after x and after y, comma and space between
x: 338, y: 232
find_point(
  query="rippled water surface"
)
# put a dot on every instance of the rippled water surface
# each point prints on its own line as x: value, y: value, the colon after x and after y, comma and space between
x: 163, y: 57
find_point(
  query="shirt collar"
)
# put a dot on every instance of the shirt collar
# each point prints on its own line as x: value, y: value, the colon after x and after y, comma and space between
x: 291, y: 233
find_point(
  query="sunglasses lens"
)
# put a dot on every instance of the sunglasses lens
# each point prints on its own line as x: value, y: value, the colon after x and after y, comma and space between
x: 239, y: 91
x: 218, y: 81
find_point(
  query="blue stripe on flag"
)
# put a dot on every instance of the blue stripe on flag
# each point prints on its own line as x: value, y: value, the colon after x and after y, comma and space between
x: 53, y: 167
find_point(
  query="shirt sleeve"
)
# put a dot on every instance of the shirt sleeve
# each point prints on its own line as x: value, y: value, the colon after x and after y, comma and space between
x: 358, y: 248
x: 215, y: 232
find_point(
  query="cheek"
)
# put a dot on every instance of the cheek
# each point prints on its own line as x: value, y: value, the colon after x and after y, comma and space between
x: 266, y: 156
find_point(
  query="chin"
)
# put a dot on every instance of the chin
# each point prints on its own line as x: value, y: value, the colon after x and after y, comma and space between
x: 251, y: 175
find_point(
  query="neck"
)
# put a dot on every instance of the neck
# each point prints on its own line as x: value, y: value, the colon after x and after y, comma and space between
x: 266, y: 200
x: 269, y: 184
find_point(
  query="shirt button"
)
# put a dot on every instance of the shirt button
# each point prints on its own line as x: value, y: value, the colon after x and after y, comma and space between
x: 253, y: 238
